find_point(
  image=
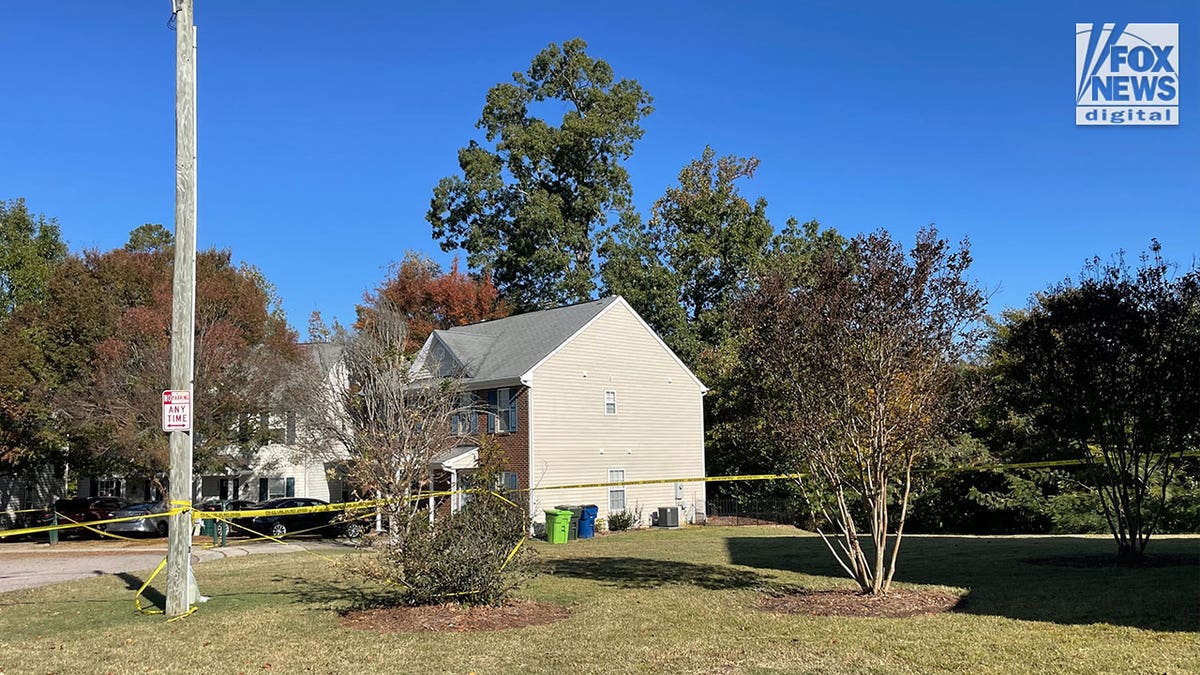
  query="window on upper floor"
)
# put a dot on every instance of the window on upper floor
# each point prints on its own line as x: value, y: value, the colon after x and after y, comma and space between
x: 465, y: 420
x: 610, y: 402
x: 502, y: 411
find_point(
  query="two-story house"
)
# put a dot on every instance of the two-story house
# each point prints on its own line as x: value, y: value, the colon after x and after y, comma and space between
x: 581, y: 394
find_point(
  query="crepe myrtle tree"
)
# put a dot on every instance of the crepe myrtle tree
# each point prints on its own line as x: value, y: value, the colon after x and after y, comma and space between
x: 1107, y: 368
x: 857, y: 351
x: 362, y: 406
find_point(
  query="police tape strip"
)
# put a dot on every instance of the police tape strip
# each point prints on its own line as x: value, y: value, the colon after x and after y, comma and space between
x: 137, y: 597
x: 184, y: 506
x: 794, y: 476
x: 72, y: 525
x: 86, y: 526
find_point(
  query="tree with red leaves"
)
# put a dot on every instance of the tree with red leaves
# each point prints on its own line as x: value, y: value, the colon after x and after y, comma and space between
x: 95, y: 358
x: 430, y: 299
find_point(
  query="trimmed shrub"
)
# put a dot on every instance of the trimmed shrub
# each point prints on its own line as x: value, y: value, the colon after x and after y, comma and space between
x: 622, y: 520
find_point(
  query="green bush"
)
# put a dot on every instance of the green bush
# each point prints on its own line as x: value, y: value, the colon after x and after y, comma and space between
x: 622, y: 520
x: 465, y: 557
x: 1181, y: 513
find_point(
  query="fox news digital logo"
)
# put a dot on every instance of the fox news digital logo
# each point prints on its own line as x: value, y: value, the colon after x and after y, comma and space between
x: 1126, y: 73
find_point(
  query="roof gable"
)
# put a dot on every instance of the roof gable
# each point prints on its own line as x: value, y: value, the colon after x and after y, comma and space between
x: 622, y: 302
x: 508, y: 350
x: 505, y: 349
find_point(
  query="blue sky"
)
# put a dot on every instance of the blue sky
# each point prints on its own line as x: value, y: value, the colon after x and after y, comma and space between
x: 323, y: 126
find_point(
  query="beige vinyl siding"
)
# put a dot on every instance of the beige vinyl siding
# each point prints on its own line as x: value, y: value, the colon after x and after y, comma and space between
x: 656, y: 433
x: 283, y: 462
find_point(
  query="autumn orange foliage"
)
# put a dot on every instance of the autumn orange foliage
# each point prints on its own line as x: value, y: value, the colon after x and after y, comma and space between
x: 431, y: 299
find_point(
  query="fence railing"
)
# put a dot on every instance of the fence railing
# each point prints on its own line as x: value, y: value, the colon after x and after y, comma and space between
x: 766, y: 511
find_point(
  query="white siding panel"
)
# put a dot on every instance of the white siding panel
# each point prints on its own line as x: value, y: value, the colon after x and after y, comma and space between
x: 282, y: 461
x: 657, y: 432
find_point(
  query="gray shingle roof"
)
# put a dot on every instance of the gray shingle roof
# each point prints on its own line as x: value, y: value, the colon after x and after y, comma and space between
x: 505, y: 349
x: 326, y: 354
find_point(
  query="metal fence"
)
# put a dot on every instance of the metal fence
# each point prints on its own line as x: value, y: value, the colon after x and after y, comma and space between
x: 764, y: 511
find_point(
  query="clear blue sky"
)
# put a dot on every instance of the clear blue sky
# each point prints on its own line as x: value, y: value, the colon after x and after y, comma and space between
x: 323, y: 126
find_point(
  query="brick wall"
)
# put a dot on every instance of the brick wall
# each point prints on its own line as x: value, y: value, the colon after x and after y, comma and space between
x: 514, y: 446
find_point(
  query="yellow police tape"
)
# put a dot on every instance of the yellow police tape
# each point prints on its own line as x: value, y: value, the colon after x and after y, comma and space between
x: 72, y: 525
x: 87, y: 526
x: 183, y: 506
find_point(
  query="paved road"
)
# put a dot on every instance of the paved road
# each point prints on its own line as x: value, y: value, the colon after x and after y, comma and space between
x: 32, y: 565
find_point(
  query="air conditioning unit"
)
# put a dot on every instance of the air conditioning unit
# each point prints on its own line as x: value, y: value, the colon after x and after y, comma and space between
x: 668, y: 516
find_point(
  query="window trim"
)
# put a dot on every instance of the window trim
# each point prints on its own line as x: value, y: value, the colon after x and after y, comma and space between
x: 503, y: 419
x: 276, y: 487
x: 608, y: 402
x: 109, y: 486
x: 504, y: 398
x: 621, y: 489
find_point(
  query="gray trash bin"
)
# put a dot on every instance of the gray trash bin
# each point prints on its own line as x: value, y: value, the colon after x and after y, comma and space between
x: 576, y: 513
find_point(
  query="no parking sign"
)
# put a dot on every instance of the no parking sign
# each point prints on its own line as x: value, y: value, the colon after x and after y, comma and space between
x: 177, y: 410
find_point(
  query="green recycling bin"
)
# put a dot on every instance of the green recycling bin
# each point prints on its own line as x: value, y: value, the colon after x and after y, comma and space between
x: 573, y: 528
x: 558, y: 523
x: 208, y: 527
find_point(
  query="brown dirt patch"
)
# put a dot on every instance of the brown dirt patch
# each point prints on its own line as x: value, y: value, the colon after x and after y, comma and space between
x: 742, y: 520
x: 897, y: 604
x: 452, y: 618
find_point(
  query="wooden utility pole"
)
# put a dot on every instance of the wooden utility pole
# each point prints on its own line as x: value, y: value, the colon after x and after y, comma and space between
x: 183, y: 305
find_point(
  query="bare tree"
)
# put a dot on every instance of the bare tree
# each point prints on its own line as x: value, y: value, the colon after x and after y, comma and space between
x: 856, y: 356
x: 362, y: 406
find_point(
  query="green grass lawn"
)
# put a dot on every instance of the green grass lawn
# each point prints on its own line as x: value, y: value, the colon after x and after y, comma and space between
x: 657, y: 601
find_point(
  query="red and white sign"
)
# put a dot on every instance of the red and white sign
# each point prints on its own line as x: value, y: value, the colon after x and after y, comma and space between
x: 177, y: 410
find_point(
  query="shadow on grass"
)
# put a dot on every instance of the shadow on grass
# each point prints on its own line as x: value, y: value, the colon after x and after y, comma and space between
x: 626, y: 572
x: 1008, y: 576
x: 152, y: 596
x: 340, y: 595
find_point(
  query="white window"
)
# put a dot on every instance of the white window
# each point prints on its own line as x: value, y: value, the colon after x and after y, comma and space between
x: 610, y: 402
x: 108, y: 487
x: 616, y: 495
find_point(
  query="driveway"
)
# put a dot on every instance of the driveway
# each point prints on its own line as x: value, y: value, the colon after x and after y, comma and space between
x: 24, y: 565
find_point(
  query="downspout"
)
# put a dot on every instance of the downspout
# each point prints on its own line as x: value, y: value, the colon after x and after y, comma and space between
x: 527, y: 380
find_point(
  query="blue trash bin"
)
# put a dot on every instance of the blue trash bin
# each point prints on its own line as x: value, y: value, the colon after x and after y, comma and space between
x: 587, y: 521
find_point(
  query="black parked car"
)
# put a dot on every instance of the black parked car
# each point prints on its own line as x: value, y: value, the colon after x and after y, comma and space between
x: 239, y: 524
x: 319, y: 523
